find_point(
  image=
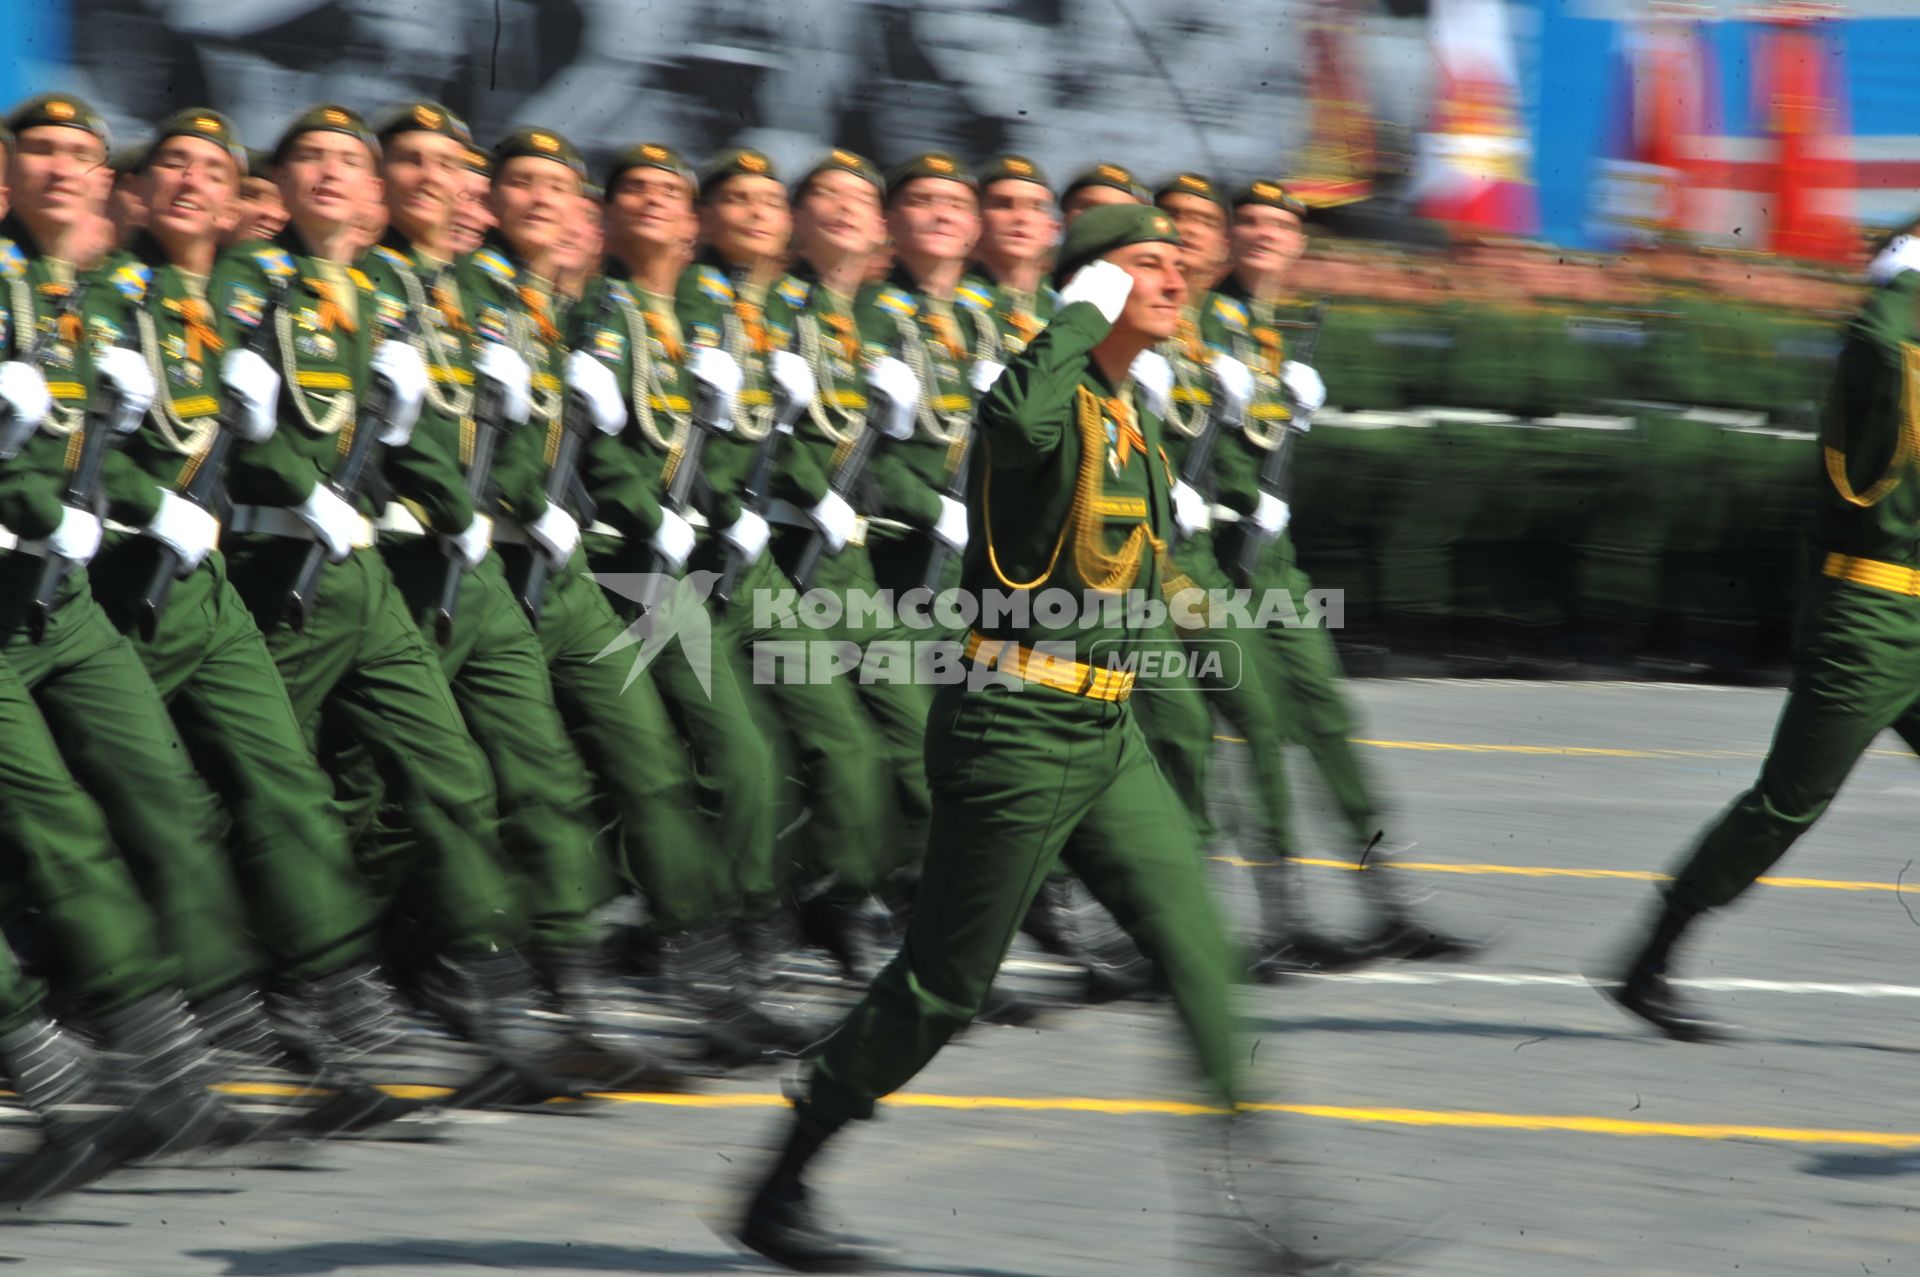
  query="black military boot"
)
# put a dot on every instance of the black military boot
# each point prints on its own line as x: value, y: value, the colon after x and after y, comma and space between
x: 490, y: 1000
x: 173, y: 1064
x: 606, y: 1049
x: 84, y: 1131
x: 781, y: 1222
x: 1401, y: 932
x: 285, y: 1092
x: 1645, y: 991
x: 1288, y: 944
x: 710, y: 976
x: 838, y: 927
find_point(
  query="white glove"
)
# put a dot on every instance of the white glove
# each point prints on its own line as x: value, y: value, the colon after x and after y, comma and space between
x: 748, y: 534
x: 470, y: 546
x: 1190, y: 513
x: 716, y: 386
x: 1272, y: 515
x: 1104, y: 284
x: 674, y: 539
x: 1303, y: 386
x: 185, y: 528
x: 1232, y: 388
x: 512, y: 380
x: 555, y: 531
x: 791, y: 377
x: 594, y: 382
x: 127, y: 372
x: 335, y: 524
x: 24, y: 391
x: 893, y: 392
x: 400, y: 366
x: 983, y: 374
x: 1901, y: 254
x: 253, y: 390
x: 951, y: 527
x: 77, y: 539
x: 1154, y: 376
x: 835, y: 519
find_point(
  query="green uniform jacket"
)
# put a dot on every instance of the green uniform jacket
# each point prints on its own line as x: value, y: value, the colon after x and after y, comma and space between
x: 627, y: 474
x: 1870, y: 481
x: 1018, y: 317
x: 825, y: 333
x: 1232, y: 479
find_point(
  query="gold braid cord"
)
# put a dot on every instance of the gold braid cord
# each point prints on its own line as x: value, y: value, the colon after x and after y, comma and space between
x: 1904, y: 449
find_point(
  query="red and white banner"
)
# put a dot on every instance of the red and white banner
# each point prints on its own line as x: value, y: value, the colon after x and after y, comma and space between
x: 1473, y: 171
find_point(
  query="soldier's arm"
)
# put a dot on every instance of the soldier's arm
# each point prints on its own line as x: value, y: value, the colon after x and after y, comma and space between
x: 426, y: 471
x: 900, y: 492
x: 614, y: 472
x: 1868, y: 398
x: 1032, y: 405
x: 271, y: 472
x: 29, y: 495
x: 117, y: 291
x: 702, y: 323
x: 520, y: 452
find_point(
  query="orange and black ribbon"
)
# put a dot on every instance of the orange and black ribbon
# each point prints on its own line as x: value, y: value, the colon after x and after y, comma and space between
x: 1273, y: 349
x: 1130, y: 440
x: 1025, y: 323
x: 1188, y: 335
x: 70, y: 328
x: 197, y: 317
x: 542, y: 317
x: 443, y: 301
x: 753, y: 323
x: 663, y: 333
x: 947, y: 333
x: 844, y: 332
x: 332, y: 314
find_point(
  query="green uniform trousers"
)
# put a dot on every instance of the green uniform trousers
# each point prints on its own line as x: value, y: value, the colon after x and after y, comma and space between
x: 498, y: 672
x: 309, y: 905
x: 56, y: 839
x: 733, y: 762
x: 114, y: 732
x: 622, y: 729
x: 362, y: 660
x: 1856, y: 673
x: 1023, y: 776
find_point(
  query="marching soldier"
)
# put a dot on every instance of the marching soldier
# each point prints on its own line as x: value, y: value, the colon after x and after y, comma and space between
x: 1037, y: 756
x: 472, y: 217
x: 1101, y: 184
x: 1019, y: 227
x: 262, y: 213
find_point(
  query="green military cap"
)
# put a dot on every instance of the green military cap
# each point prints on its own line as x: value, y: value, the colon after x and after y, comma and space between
x: 1270, y: 195
x: 1190, y: 184
x: 652, y: 155
x: 937, y: 164
x: 539, y: 144
x: 203, y: 123
x: 478, y: 161
x: 258, y: 162
x: 593, y: 191
x: 1102, y: 229
x: 843, y: 161
x: 124, y: 160
x: 326, y: 118
x: 422, y: 116
x: 58, y: 110
x: 1111, y: 175
x: 736, y: 161
x: 1012, y: 168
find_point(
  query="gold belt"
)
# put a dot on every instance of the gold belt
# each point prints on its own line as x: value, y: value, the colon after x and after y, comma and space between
x: 1890, y: 577
x: 1059, y: 673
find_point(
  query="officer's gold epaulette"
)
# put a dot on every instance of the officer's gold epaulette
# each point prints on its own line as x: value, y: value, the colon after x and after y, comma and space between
x: 973, y: 296
x: 1230, y: 312
x: 495, y: 264
x: 274, y: 260
x: 897, y: 301
x: 397, y: 260
x: 13, y: 262
x: 131, y: 280
x: 713, y: 284
x: 795, y: 292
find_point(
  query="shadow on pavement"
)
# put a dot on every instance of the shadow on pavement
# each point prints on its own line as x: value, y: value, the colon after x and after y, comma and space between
x: 422, y: 1253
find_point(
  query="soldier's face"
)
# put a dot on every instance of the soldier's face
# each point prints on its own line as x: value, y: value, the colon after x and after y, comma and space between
x: 536, y: 201
x: 263, y: 214
x: 1203, y: 233
x: 192, y: 188
x: 472, y: 216
x: 584, y: 241
x: 931, y: 217
x: 747, y: 219
x: 1018, y: 222
x: 324, y: 178
x: 425, y: 174
x: 840, y: 215
x: 1265, y: 238
x: 1159, y: 289
x: 56, y: 175
x: 1093, y: 197
x: 649, y: 208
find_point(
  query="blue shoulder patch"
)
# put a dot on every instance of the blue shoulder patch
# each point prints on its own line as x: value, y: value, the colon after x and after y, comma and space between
x: 274, y: 260
x: 495, y: 264
x: 897, y: 301
x: 714, y: 284
x: 13, y: 262
x: 795, y: 292
x: 973, y: 296
x: 132, y: 279
x: 620, y: 292
x: 394, y: 259
x: 1231, y: 313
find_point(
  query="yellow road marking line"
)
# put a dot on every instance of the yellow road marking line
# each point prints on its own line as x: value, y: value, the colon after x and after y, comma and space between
x: 1578, y: 1124
x: 1544, y: 871
x: 1567, y: 751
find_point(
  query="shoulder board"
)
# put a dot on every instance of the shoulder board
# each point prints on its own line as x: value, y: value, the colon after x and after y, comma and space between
x: 493, y: 263
x: 13, y: 262
x: 1230, y: 312
x: 359, y: 278
x: 897, y: 301
x: 714, y: 284
x: 274, y: 260
x: 396, y: 260
x: 795, y: 292
x: 132, y: 279
x: 620, y: 293
x: 969, y: 295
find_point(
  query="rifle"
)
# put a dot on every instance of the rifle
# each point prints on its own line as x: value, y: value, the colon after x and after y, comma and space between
x: 348, y: 481
x: 100, y: 429
x: 786, y: 412
x: 939, y: 552
x: 846, y: 478
x: 486, y: 431
x: 207, y: 487
x: 686, y: 471
x: 1276, y: 469
x: 1194, y: 471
